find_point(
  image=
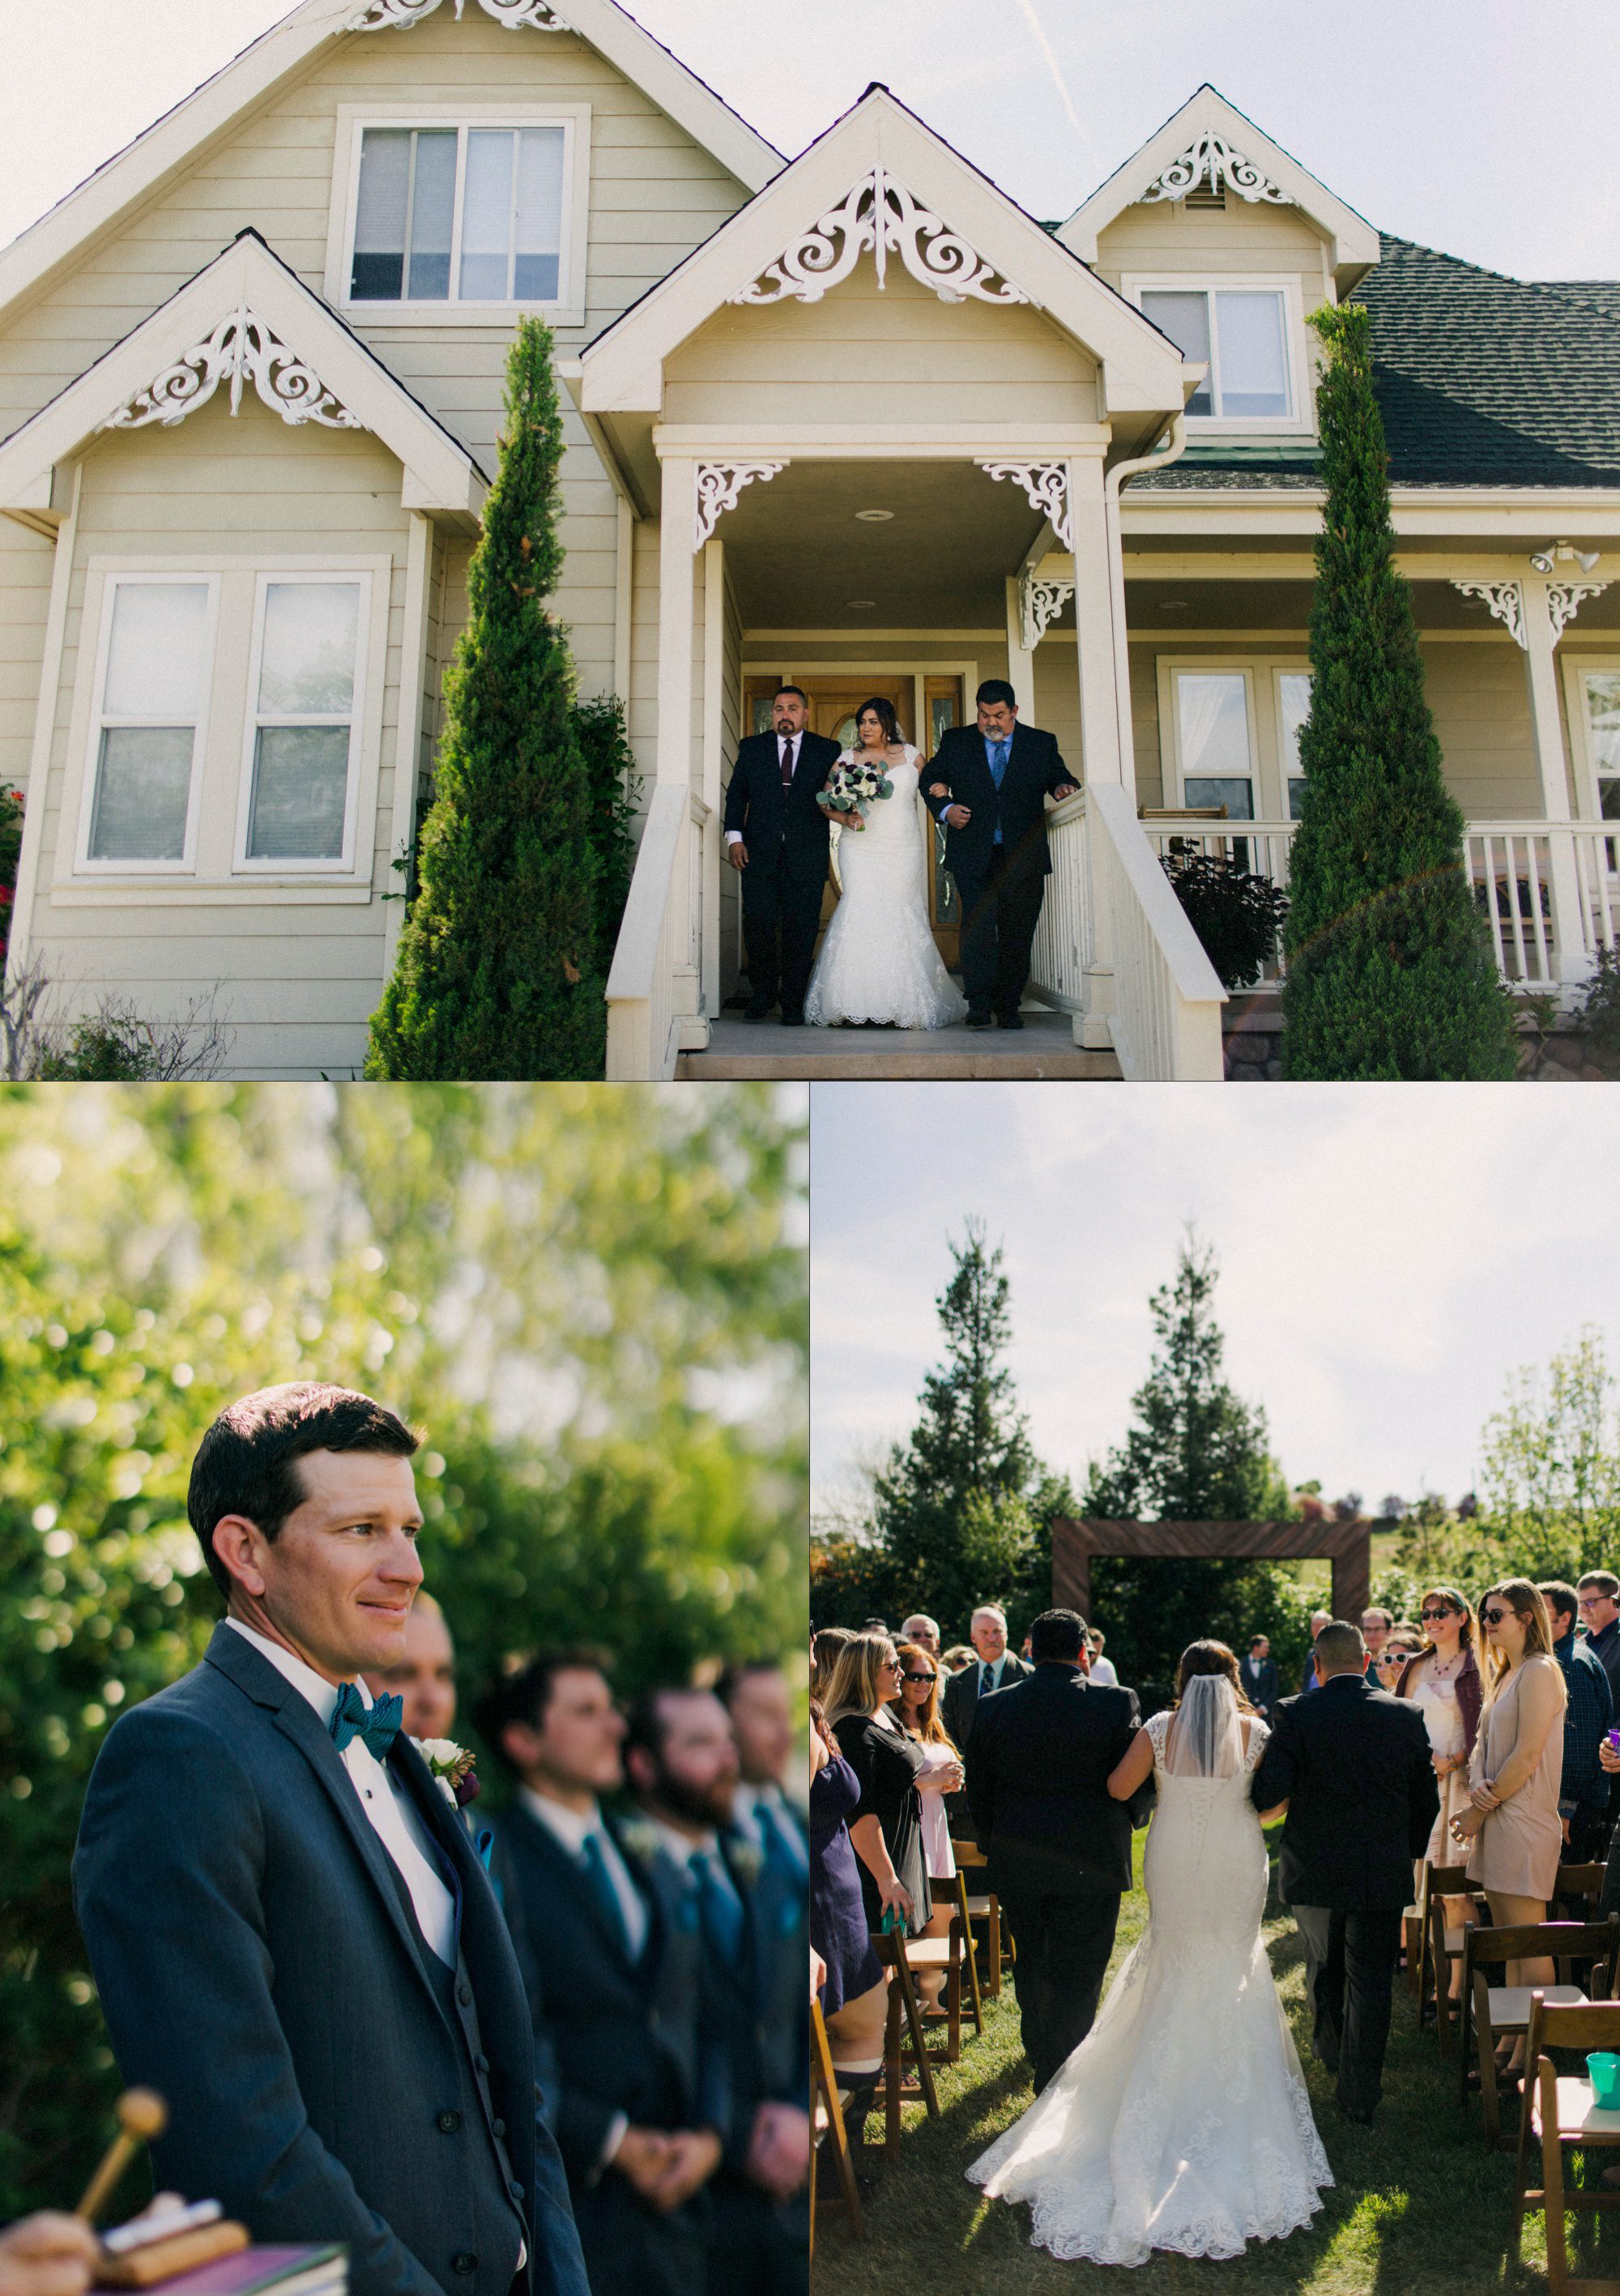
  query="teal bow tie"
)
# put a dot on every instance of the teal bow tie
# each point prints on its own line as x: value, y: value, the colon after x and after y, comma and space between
x: 377, y: 1725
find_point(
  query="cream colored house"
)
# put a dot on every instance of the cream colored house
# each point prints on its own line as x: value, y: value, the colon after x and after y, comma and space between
x: 856, y: 421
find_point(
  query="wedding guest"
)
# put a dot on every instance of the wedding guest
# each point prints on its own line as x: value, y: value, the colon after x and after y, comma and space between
x: 1100, y: 1669
x: 1444, y: 1682
x: 922, y: 1629
x: 886, y: 1830
x: 996, y: 1667
x: 960, y: 1655
x: 1598, y: 1599
x: 1374, y: 1632
x: 825, y: 1657
x: 919, y: 1711
x: 293, y: 1939
x: 681, y: 1759
x: 854, y: 1997
x: 47, y: 2254
x: 642, y: 2093
x: 1583, y: 1789
x: 425, y: 1676
x: 1258, y: 1676
x: 1514, y: 1771
x: 1319, y: 1619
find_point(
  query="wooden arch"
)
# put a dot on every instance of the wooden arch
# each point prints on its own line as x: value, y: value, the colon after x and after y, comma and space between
x: 1347, y: 1545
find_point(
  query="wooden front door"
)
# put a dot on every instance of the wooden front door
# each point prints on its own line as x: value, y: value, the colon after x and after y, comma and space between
x: 834, y: 704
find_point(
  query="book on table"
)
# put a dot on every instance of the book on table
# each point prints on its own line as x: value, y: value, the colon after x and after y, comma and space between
x: 310, y: 2270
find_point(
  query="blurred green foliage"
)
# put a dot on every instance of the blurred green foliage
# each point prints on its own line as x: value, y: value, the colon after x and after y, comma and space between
x: 592, y: 1301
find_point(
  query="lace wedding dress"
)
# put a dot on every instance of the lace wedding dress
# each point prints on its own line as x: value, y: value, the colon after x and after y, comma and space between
x: 1181, y: 2121
x: 878, y: 961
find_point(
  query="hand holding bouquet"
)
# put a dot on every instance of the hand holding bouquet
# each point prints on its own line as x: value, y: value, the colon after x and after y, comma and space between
x: 852, y: 786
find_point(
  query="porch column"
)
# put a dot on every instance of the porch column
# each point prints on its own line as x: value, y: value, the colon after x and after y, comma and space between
x: 714, y: 728
x: 1539, y: 641
x: 678, y: 563
x: 1103, y: 758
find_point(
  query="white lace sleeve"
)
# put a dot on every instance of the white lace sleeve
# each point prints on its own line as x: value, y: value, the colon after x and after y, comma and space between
x: 1156, y: 1726
x: 1259, y: 1733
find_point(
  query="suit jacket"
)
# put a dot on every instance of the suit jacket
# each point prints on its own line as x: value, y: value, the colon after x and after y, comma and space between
x: 1354, y: 1765
x: 959, y: 1700
x: 258, y: 1965
x: 771, y: 819
x: 627, y: 2035
x: 1035, y: 771
x: 1037, y: 1765
x: 1260, y: 1682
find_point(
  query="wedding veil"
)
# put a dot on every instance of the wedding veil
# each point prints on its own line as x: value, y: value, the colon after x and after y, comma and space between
x: 1205, y: 1739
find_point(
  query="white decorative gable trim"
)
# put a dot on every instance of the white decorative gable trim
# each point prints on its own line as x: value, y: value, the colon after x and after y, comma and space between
x: 1046, y: 487
x: 1209, y: 154
x: 1040, y: 603
x: 1506, y: 601
x: 719, y: 484
x: 1564, y: 603
x: 386, y: 16
x: 879, y: 214
x: 242, y: 349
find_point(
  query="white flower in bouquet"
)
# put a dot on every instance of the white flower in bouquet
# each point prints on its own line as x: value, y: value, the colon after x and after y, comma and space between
x: 855, y: 785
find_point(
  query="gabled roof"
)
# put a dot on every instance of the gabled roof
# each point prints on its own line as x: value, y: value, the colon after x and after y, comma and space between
x: 622, y: 370
x: 105, y: 199
x: 247, y: 279
x: 1353, y: 241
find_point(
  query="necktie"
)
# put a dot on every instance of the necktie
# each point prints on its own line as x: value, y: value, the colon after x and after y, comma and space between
x: 378, y: 1725
x: 718, y: 1908
x: 601, y: 1888
x: 987, y: 1679
x: 998, y: 762
x: 787, y: 763
x: 781, y: 1850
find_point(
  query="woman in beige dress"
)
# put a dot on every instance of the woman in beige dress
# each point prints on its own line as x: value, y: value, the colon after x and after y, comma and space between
x: 1444, y: 1682
x: 1516, y: 1770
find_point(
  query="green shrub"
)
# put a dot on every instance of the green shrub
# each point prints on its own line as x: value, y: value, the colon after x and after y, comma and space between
x: 1237, y: 914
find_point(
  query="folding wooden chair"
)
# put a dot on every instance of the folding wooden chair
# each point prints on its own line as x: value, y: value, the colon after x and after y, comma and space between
x: 827, y: 2101
x: 964, y: 1927
x: 893, y: 1952
x: 1445, y: 1945
x: 1495, y: 2012
x: 1560, y: 2111
x: 1577, y: 1890
x: 947, y: 1953
x: 985, y: 1908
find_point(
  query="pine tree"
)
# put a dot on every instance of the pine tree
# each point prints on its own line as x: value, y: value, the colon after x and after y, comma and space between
x: 951, y: 1518
x: 1197, y: 1452
x: 497, y: 974
x: 1389, y: 970
x: 610, y: 775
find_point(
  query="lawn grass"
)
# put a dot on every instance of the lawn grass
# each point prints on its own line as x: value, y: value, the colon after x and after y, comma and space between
x: 1418, y: 2207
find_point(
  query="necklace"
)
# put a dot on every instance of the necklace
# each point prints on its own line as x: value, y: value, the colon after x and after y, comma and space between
x: 1441, y: 1670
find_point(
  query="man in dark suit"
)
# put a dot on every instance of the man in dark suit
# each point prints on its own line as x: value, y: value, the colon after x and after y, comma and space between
x: 777, y: 836
x: 1353, y: 1767
x: 1257, y: 1673
x: 992, y: 1669
x: 1059, y: 1844
x: 642, y: 2104
x: 989, y: 784
x: 293, y: 1937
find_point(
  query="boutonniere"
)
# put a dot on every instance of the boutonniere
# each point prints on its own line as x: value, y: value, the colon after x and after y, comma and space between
x: 745, y: 1862
x: 636, y: 1836
x: 451, y: 1768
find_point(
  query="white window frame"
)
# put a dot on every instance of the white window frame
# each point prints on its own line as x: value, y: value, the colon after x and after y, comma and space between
x: 1301, y: 422
x: 566, y: 308
x: 282, y: 865
x: 83, y: 863
x: 1576, y: 666
x: 1280, y: 671
x: 1174, y: 667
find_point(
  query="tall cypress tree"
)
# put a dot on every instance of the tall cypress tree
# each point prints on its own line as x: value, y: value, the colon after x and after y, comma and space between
x: 1389, y: 970
x: 497, y: 974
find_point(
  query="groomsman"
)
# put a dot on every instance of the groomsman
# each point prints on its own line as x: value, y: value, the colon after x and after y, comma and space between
x: 682, y: 1760
x: 293, y: 1938
x: 995, y: 1667
x: 642, y: 2099
x: 424, y: 1677
x: 1257, y: 1673
x: 777, y: 836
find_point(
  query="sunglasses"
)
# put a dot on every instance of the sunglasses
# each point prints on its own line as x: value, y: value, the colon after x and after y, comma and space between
x: 917, y: 1678
x: 1494, y: 1615
x: 1447, y: 1612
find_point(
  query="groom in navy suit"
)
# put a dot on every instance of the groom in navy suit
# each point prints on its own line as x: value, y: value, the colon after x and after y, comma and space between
x: 777, y: 836
x: 989, y: 785
x: 293, y: 1937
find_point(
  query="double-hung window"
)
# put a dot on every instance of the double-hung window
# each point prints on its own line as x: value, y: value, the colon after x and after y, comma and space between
x: 299, y: 779
x: 1293, y: 707
x: 1213, y: 742
x: 1600, y: 699
x: 152, y: 683
x: 1246, y: 335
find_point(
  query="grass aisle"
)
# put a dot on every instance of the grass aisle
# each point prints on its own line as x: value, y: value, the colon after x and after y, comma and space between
x: 1419, y: 2207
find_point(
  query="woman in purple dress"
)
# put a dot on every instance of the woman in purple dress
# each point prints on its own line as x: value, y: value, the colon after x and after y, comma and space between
x: 854, y: 1997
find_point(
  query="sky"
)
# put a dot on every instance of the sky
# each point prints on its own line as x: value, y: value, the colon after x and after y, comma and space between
x: 1479, y: 126
x: 1389, y: 1257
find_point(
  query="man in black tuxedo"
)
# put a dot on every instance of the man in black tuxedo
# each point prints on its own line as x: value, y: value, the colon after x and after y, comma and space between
x: 989, y: 784
x: 1353, y: 1767
x: 992, y: 1669
x: 1059, y: 1844
x: 776, y: 835
x: 1257, y: 1673
x: 293, y: 1937
x: 642, y: 2102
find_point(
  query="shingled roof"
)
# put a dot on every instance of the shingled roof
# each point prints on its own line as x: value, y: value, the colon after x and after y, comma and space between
x: 1482, y: 380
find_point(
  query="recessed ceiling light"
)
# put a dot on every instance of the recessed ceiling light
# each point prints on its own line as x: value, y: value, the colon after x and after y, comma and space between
x: 874, y: 516
x: 861, y: 602
x: 1172, y: 606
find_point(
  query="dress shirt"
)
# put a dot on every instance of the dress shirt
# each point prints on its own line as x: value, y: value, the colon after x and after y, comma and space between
x: 393, y: 1815
x: 746, y: 1808
x: 796, y: 740
x: 996, y: 1668
x: 682, y: 1847
x: 570, y: 1829
x: 993, y: 744
x: 1103, y: 1673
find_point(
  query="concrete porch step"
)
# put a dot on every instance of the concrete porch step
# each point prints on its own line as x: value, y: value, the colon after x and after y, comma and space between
x: 1044, y: 1047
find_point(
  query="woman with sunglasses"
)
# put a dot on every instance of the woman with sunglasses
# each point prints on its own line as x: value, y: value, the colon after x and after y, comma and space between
x: 943, y: 1775
x: 887, y: 1827
x: 1445, y: 1683
x: 1516, y: 1770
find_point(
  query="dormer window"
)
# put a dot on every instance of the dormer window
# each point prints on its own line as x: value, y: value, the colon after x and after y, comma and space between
x: 1250, y: 335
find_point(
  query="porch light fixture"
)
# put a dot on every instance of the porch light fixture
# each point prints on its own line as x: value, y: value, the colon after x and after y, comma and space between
x: 1543, y: 560
x: 860, y: 602
x: 874, y: 516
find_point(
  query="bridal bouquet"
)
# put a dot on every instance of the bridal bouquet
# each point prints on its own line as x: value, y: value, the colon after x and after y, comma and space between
x: 853, y: 786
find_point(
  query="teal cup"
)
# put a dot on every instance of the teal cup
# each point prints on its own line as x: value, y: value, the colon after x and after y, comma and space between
x: 1603, y: 2071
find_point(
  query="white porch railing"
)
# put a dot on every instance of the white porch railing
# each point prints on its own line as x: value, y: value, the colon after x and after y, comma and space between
x: 654, y: 988
x: 1109, y: 907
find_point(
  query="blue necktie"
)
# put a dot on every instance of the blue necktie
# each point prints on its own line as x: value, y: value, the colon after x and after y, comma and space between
x: 987, y: 1679
x: 998, y: 766
x: 719, y: 1909
x: 601, y: 1886
x: 378, y: 1725
x: 780, y: 1849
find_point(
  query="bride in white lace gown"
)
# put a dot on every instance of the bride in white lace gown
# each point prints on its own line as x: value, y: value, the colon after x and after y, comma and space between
x: 1181, y: 2121
x: 878, y: 961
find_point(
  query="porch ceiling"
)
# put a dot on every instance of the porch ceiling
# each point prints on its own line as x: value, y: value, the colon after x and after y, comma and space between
x: 798, y: 554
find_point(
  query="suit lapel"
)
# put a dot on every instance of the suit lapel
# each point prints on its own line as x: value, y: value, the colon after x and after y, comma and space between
x: 578, y: 1889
